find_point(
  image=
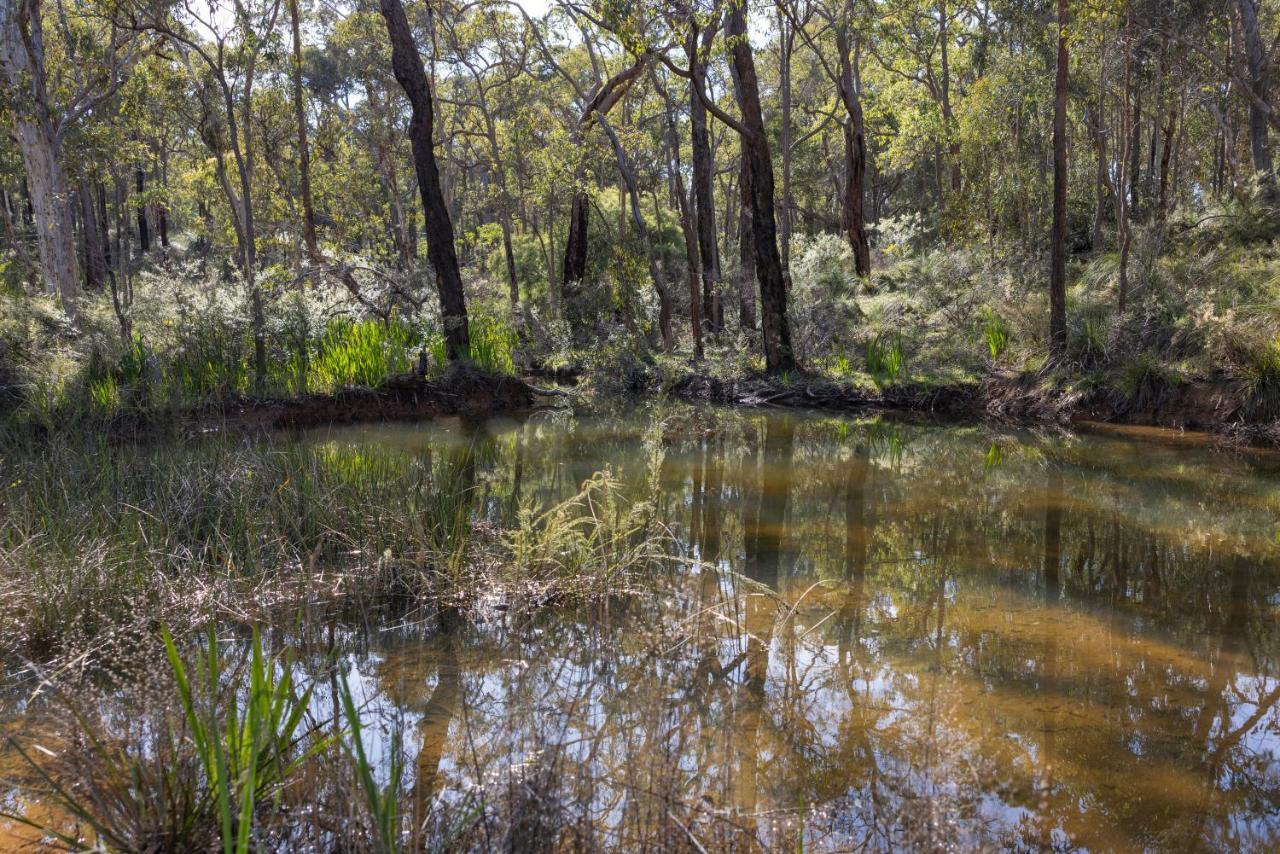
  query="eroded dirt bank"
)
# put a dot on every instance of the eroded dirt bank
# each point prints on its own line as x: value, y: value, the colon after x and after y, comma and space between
x: 1216, y: 405
x: 463, y: 390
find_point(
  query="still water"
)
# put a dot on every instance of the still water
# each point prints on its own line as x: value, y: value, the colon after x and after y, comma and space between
x: 875, y: 635
x: 869, y: 635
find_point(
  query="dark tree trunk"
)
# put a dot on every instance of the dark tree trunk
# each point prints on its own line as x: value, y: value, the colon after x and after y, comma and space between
x: 575, y: 250
x: 1058, y: 240
x: 786, y: 49
x: 1101, y: 178
x: 144, y: 230
x: 855, y: 157
x: 687, y: 228
x: 1135, y: 149
x: 630, y: 188
x: 575, y: 247
x: 304, y: 149
x: 1166, y: 157
x: 95, y: 259
x: 746, y: 248
x: 409, y: 73
x: 773, y: 293
x: 104, y: 225
x: 703, y: 198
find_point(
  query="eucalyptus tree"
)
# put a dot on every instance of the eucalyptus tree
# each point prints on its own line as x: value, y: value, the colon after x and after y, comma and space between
x: 841, y: 18
x: 1058, y: 238
x: 406, y: 63
x: 775, y: 326
x: 49, y: 86
x: 486, y: 42
x: 224, y: 56
x: 300, y: 118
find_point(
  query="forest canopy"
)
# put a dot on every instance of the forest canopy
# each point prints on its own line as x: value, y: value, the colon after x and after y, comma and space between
x: 274, y: 196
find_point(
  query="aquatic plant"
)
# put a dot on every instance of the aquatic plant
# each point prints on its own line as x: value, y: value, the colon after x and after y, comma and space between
x: 248, y: 746
x: 592, y: 543
x: 187, y: 780
x: 381, y: 801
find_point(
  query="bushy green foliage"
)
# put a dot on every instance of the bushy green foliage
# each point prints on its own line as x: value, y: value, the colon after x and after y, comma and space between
x: 192, y: 344
x: 203, y: 777
x: 885, y: 360
x: 1144, y: 380
x: 250, y: 744
x: 994, y: 332
x: 361, y: 353
x: 824, y: 291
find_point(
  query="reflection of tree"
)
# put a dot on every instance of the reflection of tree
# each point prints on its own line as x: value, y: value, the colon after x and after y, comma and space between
x: 1059, y: 635
x: 433, y: 731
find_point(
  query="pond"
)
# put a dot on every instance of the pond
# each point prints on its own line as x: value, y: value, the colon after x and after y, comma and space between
x: 867, y: 633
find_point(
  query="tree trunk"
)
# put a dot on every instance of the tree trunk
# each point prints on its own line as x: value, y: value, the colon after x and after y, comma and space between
x: 1101, y: 178
x: 1124, y: 227
x: 1135, y: 148
x: 1166, y: 157
x: 409, y: 73
x: 304, y: 149
x: 773, y: 292
x: 746, y: 247
x: 1058, y: 240
x: 104, y: 225
x: 144, y: 229
x: 687, y: 228
x: 1258, y: 65
x: 95, y: 259
x: 855, y: 159
x: 786, y: 48
x: 703, y: 197
x: 575, y: 257
x: 21, y: 56
x: 637, y: 218
x: 575, y: 251
x: 162, y: 209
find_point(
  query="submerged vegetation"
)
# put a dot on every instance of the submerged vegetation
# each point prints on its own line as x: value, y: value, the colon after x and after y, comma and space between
x: 755, y: 631
x: 229, y: 524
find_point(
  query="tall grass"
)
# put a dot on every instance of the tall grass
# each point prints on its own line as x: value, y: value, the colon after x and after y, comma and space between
x: 95, y: 536
x: 210, y: 776
x: 197, y: 355
x: 995, y: 332
x: 247, y: 753
x: 381, y: 802
x: 361, y: 353
x: 885, y: 360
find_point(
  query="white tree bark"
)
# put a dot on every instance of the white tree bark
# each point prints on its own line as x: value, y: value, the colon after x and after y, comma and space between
x: 22, y: 64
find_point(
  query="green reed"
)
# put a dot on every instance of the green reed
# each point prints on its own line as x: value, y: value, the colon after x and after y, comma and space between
x: 214, y: 771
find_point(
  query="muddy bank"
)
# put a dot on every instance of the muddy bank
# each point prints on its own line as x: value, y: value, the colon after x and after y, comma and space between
x: 463, y: 390
x: 1214, y: 405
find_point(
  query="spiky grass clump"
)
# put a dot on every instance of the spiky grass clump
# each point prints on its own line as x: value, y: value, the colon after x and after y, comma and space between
x: 361, y: 353
x: 212, y: 773
x: 885, y: 360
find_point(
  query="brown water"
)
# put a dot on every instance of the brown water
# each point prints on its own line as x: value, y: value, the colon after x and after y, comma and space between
x: 881, y: 635
x: 871, y: 635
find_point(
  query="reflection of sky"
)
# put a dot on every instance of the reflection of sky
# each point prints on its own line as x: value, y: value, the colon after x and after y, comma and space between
x: 949, y: 674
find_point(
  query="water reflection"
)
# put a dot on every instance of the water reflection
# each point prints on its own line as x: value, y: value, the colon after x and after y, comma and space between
x: 880, y: 636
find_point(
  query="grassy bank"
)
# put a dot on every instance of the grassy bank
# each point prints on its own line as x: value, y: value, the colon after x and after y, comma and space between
x: 188, y: 348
